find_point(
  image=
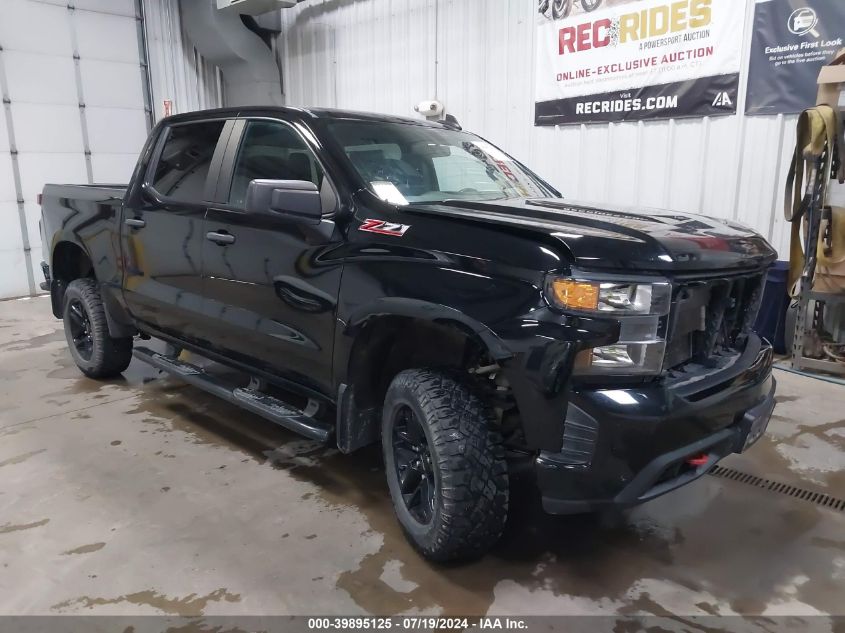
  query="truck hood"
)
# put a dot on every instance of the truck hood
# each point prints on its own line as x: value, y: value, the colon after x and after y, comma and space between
x: 621, y: 238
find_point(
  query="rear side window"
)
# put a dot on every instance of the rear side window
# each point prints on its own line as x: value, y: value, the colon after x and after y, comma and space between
x: 183, y: 165
x: 272, y: 151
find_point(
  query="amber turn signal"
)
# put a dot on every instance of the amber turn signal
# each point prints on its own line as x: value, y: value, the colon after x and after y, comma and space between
x: 578, y: 295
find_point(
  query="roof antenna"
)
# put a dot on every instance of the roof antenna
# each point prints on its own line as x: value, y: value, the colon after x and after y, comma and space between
x: 451, y: 122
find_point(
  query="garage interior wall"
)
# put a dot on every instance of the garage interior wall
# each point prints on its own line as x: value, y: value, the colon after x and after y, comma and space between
x: 178, y: 73
x: 73, y: 111
x: 477, y: 56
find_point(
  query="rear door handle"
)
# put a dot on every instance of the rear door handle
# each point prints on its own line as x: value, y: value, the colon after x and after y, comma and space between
x: 220, y: 238
x: 135, y: 223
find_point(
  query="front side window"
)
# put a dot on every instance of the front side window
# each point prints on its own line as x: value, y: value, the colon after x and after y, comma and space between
x: 185, y: 159
x: 271, y: 151
x: 405, y: 162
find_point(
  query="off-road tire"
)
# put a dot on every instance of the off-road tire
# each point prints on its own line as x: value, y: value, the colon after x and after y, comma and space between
x: 470, y: 504
x: 109, y: 356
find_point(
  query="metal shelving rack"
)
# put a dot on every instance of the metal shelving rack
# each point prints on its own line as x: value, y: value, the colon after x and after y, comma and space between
x: 803, y: 325
x: 805, y: 321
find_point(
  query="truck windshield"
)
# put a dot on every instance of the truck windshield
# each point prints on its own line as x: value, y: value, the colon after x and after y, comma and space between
x: 406, y: 163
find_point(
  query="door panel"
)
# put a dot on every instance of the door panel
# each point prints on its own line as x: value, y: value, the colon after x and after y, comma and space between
x: 163, y: 235
x: 270, y: 297
x: 271, y: 291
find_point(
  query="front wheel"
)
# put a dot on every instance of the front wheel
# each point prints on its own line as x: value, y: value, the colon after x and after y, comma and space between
x: 590, y: 5
x: 97, y: 354
x: 445, y: 465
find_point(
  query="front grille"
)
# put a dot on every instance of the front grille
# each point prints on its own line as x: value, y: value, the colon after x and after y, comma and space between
x: 711, y: 316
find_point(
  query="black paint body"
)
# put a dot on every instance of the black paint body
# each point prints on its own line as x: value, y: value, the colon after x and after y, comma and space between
x: 293, y: 303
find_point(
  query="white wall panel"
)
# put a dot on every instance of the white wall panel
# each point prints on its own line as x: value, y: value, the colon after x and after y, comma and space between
x: 33, y: 216
x: 114, y: 168
x: 116, y: 131
x: 39, y: 168
x: 621, y: 142
x: 107, y: 37
x: 114, y: 7
x: 683, y: 167
x: 47, y: 128
x: 37, y: 27
x: 477, y: 56
x: 7, y: 183
x: 13, y: 278
x: 112, y: 84
x: 39, y: 39
x: 37, y: 78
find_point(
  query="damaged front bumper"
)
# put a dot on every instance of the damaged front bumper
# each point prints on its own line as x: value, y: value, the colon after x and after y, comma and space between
x: 625, y: 446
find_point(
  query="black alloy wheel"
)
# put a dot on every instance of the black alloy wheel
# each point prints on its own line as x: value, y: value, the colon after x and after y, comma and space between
x: 414, y: 467
x: 80, y: 329
x: 94, y: 350
x: 445, y: 463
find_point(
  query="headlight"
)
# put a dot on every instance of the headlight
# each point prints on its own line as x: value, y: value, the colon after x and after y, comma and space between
x: 621, y: 359
x: 640, y: 307
x: 609, y: 297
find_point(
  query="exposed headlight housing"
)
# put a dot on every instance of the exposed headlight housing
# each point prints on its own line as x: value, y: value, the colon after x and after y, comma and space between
x: 610, y: 297
x: 640, y: 307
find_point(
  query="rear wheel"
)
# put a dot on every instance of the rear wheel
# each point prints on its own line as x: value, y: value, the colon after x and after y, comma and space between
x: 445, y: 465
x: 590, y: 5
x: 97, y: 354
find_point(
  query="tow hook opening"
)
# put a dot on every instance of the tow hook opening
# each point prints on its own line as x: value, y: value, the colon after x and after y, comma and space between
x: 696, y: 461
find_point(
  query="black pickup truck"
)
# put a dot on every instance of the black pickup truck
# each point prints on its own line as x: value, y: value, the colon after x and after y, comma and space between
x: 380, y: 279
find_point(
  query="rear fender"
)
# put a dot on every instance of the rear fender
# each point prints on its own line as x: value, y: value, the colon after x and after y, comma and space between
x: 119, y: 322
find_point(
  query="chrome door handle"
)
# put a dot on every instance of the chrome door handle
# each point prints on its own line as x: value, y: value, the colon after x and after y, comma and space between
x: 135, y: 223
x: 220, y: 238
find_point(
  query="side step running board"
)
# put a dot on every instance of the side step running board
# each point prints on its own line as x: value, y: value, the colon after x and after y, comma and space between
x: 252, y: 400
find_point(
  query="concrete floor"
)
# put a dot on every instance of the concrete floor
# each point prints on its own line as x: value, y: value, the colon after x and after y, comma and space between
x: 143, y: 496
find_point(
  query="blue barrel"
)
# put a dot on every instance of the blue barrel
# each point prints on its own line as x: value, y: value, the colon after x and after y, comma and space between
x: 771, y: 322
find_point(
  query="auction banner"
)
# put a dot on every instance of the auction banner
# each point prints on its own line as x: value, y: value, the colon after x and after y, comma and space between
x: 792, y: 40
x: 630, y: 60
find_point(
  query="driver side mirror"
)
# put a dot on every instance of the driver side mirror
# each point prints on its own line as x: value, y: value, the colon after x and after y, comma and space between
x: 297, y: 200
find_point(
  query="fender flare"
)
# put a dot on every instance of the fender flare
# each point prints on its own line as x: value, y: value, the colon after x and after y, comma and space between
x: 426, y: 311
x: 356, y: 428
x: 118, y: 321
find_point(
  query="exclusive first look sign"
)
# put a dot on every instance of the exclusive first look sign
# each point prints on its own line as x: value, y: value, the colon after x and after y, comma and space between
x: 792, y: 40
x: 631, y: 60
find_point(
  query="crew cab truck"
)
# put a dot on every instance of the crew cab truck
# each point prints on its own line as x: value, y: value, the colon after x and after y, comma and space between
x: 377, y: 279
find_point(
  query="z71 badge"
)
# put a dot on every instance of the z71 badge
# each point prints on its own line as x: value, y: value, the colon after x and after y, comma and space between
x: 384, y: 228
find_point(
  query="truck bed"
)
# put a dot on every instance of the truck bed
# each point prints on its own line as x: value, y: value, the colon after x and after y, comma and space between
x: 100, y: 192
x: 85, y: 217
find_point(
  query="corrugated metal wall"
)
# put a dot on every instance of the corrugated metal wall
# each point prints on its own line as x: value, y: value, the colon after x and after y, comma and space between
x: 177, y: 71
x: 477, y: 56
